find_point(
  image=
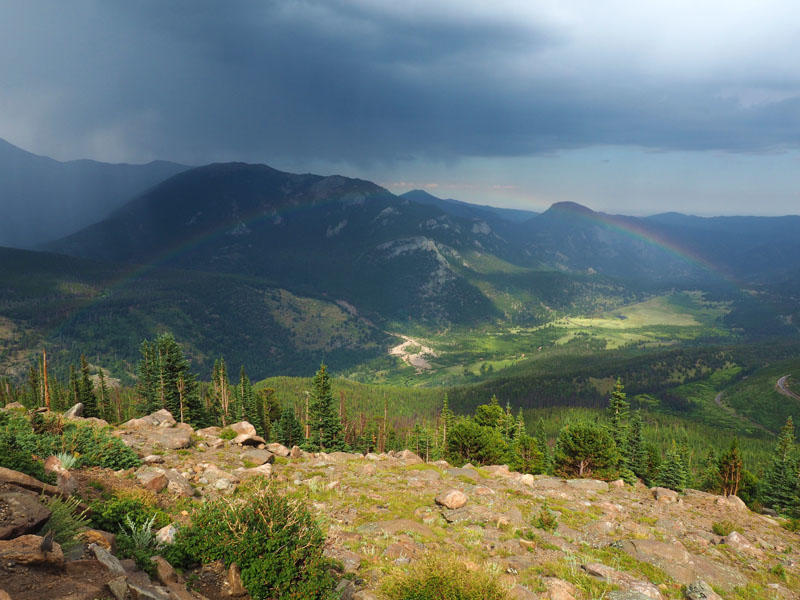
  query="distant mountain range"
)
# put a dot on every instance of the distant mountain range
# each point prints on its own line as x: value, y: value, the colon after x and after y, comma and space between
x: 42, y: 199
x: 365, y: 260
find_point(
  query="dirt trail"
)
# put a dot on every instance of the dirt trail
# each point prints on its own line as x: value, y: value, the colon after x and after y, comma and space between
x: 782, y: 386
x: 730, y: 410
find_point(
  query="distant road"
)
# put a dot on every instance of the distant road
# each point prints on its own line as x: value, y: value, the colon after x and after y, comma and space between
x: 783, y: 387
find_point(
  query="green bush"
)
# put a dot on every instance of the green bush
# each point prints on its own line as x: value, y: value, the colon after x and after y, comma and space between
x: 18, y: 445
x: 723, y: 528
x: 585, y: 449
x: 227, y: 434
x: 95, y: 447
x: 274, y: 540
x: 443, y: 579
x: 546, y: 519
x: 66, y: 521
x: 112, y: 514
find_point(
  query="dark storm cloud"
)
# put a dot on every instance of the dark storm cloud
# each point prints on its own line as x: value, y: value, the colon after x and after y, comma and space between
x: 362, y: 81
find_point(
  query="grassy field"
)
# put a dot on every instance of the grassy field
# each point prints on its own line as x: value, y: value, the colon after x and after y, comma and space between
x: 470, y: 355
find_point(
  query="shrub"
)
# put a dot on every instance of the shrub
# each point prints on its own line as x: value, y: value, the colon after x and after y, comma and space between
x: 67, y: 460
x: 586, y: 450
x: 114, y: 513
x: 138, y: 542
x: 723, y: 528
x: 66, y: 521
x: 18, y: 445
x: 273, y: 539
x: 97, y: 448
x: 443, y: 579
x: 467, y: 441
x: 546, y: 519
x: 227, y: 434
x: 792, y: 525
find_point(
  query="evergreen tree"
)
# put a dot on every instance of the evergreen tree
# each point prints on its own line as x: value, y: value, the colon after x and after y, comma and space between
x: 446, y: 417
x: 672, y: 473
x: 637, y: 453
x: 249, y: 408
x: 618, y: 409
x: 527, y: 456
x: 86, y: 391
x: 490, y: 415
x: 730, y: 469
x: 147, y: 385
x: 268, y: 409
x: 289, y: 431
x: 325, y: 426
x: 780, y: 488
x: 221, y: 394
x: 585, y: 449
x: 104, y: 398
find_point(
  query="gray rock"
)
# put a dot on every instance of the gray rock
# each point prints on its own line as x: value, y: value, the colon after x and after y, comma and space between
x: 118, y: 587
x: 20, y: 512
x: 235, y: 587
x: 258, y: 457
x: 166, y: 535
x: 75, y: 411
x: 278, y: 449
x: 346, y: 589
x: 108, y: 560
x: 177, y: 484
x: 700, y: 590
x: 665, y: 495
x: 588, y: 485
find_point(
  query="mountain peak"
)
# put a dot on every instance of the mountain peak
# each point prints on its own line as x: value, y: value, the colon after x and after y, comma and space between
x: 569, y: 207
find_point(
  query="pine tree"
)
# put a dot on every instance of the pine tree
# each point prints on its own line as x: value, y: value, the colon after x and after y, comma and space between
x: 446, y: 417
x: 325, y: 426
x: 86, y: 391
x: 247, y: 400
x: 618, y: 409
x: 637, y: 453
x: 672, y: 473
x: 781, y: 487
x: 103, y: 407
x: 289, y: 430
x: 221, y: 397
x: 147, y: 387
x: 730, y: 469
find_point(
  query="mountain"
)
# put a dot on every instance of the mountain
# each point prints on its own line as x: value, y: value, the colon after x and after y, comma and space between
x: 75, y: 306
x: 457, y: 208
x: 43, y: 199
x: 333, y: 237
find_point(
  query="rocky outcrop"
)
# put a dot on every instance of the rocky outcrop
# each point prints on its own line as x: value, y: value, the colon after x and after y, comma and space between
x: 27, y: 550
x: 20, y: 512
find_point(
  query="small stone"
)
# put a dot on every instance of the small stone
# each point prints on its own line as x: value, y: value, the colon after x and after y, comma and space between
x: 222, y: 484
x: 700, y: 590
x: 527, y: 479
x: 152, y: 479
x: 345, y: 589
x: 617, y: 483
x: 166, y: 535
x: 153, y: 459
x: 452, y: 499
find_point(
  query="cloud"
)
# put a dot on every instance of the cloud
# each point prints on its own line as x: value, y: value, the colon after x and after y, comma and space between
x: 365, y: 82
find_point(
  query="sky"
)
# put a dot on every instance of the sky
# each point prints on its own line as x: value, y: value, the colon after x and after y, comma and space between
x: 626, y: 107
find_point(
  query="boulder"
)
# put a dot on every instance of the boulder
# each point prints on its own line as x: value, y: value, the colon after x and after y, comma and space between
x: 20, y: 512
x: 14, y: 406
x: 152, y: 478
x: 636, y: 587
x: 264, y: 470
x: 75, y: 411
x: 177, y: 484
x: 278, y: 449
x: 108, y: 560
x: 665, y: 495
x: 257, y: 457
x: 246, y: 439
x: 64, y: 480
x: 209, y: 432
x: 452, y: 499
x: 160, y: 418
x: 617, y: 484
x: 118, y: 587
x: 732, y: 502
x: 588, y: 485
x: 27, y: 550
x: 243, y: 428
x: 558, y: 589
x: 296, y: 452
x: 408, y: 457
x: 27, y: 482
x: 103, y: 539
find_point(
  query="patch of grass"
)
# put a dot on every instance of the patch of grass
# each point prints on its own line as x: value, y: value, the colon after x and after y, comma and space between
x: 443, y: 579
x: 227, y: 434
x: 723, y: 528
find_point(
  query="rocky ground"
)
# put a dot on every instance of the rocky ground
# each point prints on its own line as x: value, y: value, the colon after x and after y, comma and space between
x: 543, y: 537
